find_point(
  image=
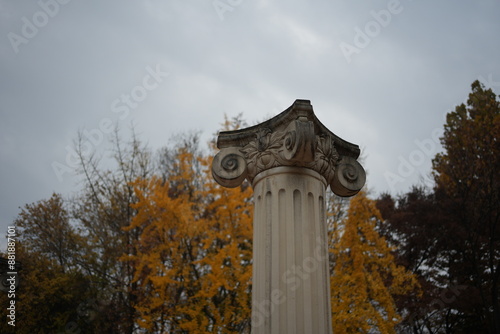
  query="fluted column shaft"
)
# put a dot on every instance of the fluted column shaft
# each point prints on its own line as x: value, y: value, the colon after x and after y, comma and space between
x: 291, y: 289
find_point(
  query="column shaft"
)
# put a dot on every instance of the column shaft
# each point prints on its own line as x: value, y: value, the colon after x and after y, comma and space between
x: 291, y: 282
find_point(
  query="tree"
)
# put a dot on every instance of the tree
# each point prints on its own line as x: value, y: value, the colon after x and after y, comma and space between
x: 468, y: 187
x: 449, y: 236
x: 366, y: 278
x: 45, y: 228
x: 86, y: 259
x: 52, y: 285
x: 418, y: 227
x: 193, y: 257
x: 102, y: 210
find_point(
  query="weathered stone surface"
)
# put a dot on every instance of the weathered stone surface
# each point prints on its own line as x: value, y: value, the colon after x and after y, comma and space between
x: 294, y: 138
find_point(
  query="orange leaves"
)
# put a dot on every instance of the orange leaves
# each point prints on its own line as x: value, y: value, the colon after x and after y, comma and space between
x: 365, y: 276
x: 193, y: 255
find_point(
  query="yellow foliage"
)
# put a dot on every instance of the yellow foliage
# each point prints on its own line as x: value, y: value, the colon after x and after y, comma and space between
x: 365, y: 277
x: 193, y: 258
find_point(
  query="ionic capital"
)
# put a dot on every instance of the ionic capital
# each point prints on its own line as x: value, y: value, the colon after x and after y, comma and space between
x: 295, y: 138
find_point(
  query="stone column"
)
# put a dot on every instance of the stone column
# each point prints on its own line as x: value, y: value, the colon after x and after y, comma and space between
x: 290, y: 160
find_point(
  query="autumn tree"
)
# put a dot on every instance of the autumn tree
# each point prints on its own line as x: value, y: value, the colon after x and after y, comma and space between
x: 449, y: 235
x: 468, y: 188
x: 416, y: 224
x: 46, y: 229
x: 101, y: 210
x: 193, y: 257
x: 80, y: 254
x: 366, y: 277
x: 71, y: 248
x: 52, y: 284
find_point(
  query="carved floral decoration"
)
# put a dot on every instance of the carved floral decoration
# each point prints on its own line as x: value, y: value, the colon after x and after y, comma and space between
x: 292, y: 142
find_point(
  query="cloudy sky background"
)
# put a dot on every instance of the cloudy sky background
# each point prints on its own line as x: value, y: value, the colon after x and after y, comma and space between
x: 250, y: 57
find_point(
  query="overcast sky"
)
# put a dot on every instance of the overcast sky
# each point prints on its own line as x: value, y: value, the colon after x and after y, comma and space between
x: 380, y: 74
